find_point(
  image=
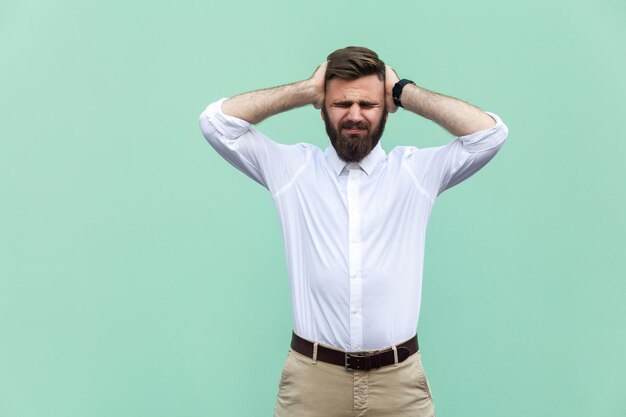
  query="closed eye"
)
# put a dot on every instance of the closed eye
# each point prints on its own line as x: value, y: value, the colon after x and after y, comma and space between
x: 363, y: 104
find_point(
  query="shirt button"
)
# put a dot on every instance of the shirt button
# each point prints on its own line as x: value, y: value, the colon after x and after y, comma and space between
x: 355, y: 311
x: 353, y: 276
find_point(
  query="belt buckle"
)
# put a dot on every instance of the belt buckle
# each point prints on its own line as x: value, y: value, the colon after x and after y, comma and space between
x: 367, y: 357
x: 347, y: 362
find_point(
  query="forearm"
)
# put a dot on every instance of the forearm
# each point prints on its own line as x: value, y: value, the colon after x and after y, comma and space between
x: 256, y: 106
x: 457, y: 117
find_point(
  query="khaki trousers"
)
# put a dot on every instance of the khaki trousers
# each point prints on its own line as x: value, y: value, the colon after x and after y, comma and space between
x: 319, y: 389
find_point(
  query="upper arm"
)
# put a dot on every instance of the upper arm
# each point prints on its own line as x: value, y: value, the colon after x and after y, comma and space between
x: 269, y: 163
x: 440, y: 168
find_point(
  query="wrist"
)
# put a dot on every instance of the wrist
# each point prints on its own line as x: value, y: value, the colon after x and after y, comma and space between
x: 397, y: 90
x: 312, y: 92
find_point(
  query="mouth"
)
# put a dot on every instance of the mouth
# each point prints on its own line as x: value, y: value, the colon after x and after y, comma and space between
x: 353, y: 130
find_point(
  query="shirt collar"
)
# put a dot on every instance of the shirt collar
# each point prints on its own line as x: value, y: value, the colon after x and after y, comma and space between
x: 367, y: 164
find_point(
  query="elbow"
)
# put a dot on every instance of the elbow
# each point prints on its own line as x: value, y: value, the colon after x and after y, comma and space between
x: 202, y: 123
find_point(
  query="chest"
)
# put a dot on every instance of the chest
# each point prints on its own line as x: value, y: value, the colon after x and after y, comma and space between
x: 385, y: 197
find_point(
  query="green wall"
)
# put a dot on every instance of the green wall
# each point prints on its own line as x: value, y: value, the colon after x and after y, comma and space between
x: 133, y: 258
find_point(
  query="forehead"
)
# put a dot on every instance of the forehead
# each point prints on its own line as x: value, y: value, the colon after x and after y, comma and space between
x: 364, y: 88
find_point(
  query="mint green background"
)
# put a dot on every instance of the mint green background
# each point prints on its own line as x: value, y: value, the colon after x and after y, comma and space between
x: 132, y: 257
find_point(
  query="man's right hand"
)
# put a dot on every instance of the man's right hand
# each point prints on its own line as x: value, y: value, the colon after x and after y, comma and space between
x: 318, y: 82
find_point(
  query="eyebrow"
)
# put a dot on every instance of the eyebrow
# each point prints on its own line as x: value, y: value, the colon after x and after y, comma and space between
x: 361, y: 102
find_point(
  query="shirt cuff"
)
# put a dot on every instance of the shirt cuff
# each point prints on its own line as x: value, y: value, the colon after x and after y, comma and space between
x: 229, y: 126
x: 486, y: 139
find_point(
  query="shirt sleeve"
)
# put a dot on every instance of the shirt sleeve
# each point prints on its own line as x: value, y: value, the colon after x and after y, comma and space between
x: 269, y: 163
x: 440, y: 168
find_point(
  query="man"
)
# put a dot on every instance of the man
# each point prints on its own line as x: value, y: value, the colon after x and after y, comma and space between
x: 354, y: 221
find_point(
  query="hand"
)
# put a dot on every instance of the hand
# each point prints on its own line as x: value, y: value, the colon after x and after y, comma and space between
x: 391, y: 78
x: 317, y: 80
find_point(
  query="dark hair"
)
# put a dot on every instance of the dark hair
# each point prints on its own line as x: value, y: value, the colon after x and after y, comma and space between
x: 354, y: 62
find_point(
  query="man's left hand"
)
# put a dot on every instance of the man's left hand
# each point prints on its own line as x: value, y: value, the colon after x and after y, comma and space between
x: 391, y: 78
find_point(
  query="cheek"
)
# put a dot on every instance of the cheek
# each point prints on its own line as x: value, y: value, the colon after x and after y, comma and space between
x: 373, y: 119
x: 336, y: 116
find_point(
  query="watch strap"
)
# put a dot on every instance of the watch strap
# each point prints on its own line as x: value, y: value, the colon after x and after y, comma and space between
x: 397, y: 91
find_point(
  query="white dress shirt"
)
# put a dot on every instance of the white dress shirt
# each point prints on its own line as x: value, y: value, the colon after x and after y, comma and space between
x: 353, y: 233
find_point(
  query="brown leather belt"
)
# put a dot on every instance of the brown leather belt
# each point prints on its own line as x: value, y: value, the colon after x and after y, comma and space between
x: 356, y: 361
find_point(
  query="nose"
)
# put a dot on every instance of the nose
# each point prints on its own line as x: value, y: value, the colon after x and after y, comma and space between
x: 354, y: 114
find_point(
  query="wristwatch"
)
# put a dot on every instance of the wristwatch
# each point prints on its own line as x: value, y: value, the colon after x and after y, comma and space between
x: 397, y: 91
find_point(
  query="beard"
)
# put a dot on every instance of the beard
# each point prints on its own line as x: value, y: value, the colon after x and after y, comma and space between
x: 356, y: 146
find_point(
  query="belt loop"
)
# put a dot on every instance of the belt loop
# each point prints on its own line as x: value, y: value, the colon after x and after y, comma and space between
x: 395, y: 355
x: 315, y: 352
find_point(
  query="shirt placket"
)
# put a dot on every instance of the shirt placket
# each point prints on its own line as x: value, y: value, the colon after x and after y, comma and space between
x: 355, y: 256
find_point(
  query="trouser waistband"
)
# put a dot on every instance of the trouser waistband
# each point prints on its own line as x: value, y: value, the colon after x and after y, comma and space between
x: 356, y: 361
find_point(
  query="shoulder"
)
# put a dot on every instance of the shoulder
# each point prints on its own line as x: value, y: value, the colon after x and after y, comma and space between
x: 307, y: 146
x: 302, y: 148
x: 413, y: 152
x: 403, y: 152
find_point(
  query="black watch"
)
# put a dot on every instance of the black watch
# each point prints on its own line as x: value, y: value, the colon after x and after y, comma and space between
x: 397, y: 90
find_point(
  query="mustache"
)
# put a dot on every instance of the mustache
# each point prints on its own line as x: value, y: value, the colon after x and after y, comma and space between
x: 353, y: 125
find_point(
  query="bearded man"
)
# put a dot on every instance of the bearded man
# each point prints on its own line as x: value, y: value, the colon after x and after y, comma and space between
x: 354, y: 221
